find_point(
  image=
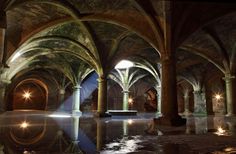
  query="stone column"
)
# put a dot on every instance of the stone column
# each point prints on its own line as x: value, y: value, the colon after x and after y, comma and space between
x: 101, y: 134
x: 169, y: 92
x: 125, y: 100
x: 229, y: 79
x: 3, y: 85
x: 61, y: 99
x: 186, y: 103
x: 199, y: 102
x: 76, y: 101
x: 102, y: 97
x: 125, y: 127
x: 158, y: 95
x: 209, y: 105
x: 3, y: 25
x: 75, y: 128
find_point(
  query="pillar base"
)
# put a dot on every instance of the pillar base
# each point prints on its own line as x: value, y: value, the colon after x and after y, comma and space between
x: 177, y: 121
x: 102, y: 115
x: 230, y: 115
x: 76, y: 112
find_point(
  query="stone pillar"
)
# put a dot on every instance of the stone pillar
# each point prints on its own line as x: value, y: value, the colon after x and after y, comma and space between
x: 61, y: 99
x: 186, y: 103
x: 199, y: 102
x: 125, y: 100
x: 209, y: 105
x: 158, y: 95
x: 229, y: 79
x: 3, y: 25
x: 125, y: 127
x: 101, y: 134
x: 102, y: 97
x: 3, y: 85
x: 169, y: 93
x: 76, y: 101
x: 75, y: 129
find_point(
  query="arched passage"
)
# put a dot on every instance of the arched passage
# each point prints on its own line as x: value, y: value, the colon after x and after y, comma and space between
x: 29, y: 94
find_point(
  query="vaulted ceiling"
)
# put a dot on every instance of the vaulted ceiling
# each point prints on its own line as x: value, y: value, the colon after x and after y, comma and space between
x: 103, y: 32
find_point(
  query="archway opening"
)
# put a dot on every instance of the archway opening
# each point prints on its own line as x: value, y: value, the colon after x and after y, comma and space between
x: 30, y: 94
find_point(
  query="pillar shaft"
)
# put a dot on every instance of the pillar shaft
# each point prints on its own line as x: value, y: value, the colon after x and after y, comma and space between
x: 199, y: 102
x: 75, y: 128
x: 3, y: 25
x: 3, y: 86
x: 102, y: 95
x: 76, y: 100
x: 168, y: 88
x: 61, y: 99
x: 229, y: 94
x: 158, y: 97
x: 125, y: 100
x: 2, y: 98
x: 101, y: 135
x: 209, y: 104
x: 186, y: 103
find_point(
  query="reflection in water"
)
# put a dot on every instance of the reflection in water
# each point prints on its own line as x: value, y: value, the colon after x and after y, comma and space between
x: 220, y: 131
x: 24, y: 124
x: 228, y: 150
x: 124, y: 145
x: 63, y: 133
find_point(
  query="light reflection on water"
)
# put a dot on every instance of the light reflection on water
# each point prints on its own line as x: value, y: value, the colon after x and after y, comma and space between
x: 109, y: 135
x: 124, y: 145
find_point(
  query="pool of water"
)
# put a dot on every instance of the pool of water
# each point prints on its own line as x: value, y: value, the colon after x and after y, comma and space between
x: 29, y: 132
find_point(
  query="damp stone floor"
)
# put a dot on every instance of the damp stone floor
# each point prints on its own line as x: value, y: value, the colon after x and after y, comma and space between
x: 35, y: 132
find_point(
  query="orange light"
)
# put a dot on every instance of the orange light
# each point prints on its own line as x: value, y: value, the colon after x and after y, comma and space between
x: 218, y: 96
x: 26, y: 95
x: 24, y: 125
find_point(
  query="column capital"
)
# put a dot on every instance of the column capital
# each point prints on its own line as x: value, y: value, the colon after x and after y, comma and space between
x: 77, y: 87
x: 62, y: 91
x: 197, y: 92
x: 228, y: 77
x: 101, y: 79
x: 167, y: 56
x: 125, y: 91
x: 4, y: 82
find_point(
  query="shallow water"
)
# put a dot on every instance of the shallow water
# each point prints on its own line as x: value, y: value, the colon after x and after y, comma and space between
x: 56, y: 133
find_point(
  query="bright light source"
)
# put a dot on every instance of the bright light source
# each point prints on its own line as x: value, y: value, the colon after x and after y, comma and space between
x: 59, y: 116
x: 130, y: 121
x: 218, y: 96
x: 130, y: 100
x: 124, y: 64
x: 27, y: 95
x: 24, y: 125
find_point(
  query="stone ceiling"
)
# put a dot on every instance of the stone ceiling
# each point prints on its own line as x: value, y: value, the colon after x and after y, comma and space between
x: 102, y: 32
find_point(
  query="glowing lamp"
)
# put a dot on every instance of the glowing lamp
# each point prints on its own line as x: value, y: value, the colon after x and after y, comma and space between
x: 27, y: 95
x: 24, y: 125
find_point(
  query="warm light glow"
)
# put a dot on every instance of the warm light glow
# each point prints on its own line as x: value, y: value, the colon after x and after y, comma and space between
x: 130, y: 100
x: 218, y: 96
x: 59, y: 116
x: 220, y: 131
x: 24, y: 125
x: 130, y: 121
x: 27, y: 95
x: 124, y: 64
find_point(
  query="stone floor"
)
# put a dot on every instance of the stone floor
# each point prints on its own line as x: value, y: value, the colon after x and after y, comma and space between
x: 34, y: 132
